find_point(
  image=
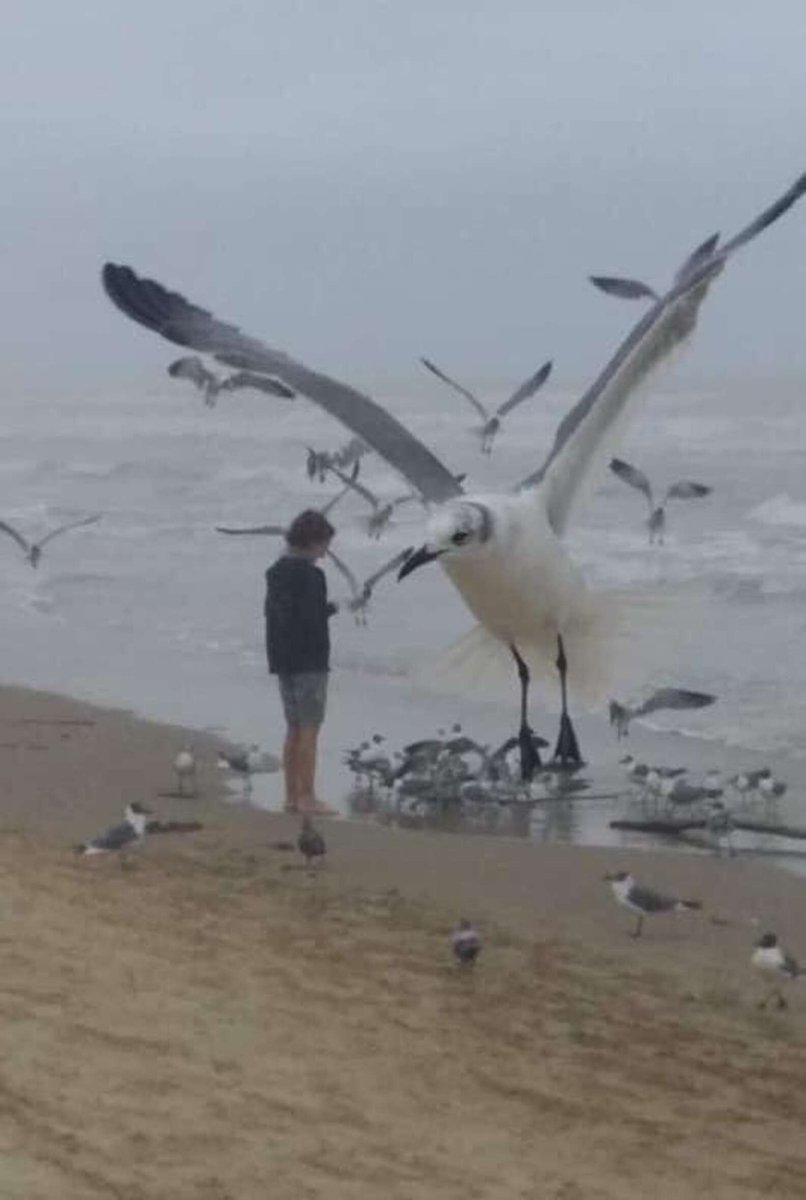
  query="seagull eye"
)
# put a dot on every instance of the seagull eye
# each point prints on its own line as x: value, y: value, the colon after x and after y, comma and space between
x: 459, y: 537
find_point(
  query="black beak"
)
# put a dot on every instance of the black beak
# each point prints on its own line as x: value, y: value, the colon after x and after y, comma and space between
x: 417, y: 558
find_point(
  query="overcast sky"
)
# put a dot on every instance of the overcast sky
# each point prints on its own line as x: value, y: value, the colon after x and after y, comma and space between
x: 362, y: 181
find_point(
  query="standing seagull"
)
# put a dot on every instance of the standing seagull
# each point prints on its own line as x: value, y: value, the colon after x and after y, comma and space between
x: 465, y: 943
x: 211, y: 385
x: 185, y: 770
x: 643, y: 901
x: 503, y: 552
x: 770, y: 957
x: 247, y: 763
x: 120, y: 838
x: 33, y: 550
x: 684, y: 489
x: 491, y: 422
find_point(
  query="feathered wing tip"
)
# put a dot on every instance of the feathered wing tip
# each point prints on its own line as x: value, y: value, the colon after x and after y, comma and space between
x: 617, y: 642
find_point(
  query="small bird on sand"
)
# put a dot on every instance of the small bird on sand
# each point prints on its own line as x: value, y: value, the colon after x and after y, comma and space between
x: 491, y: 422
x: 465, y: 943
x: 120, y: 838
x: 770, y: 957
x: 310, y: 842
x: 33, y: 550
x: 664, y: 698
x: 185, y: 771
x: 684, y: 489
x: 211, y: 385
x: 643, y: 901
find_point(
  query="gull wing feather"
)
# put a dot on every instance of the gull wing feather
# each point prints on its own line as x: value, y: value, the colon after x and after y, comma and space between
x: 387, y: 567
x: 673, y: 698
x: 625, y: 289
x: 175, y: 318
x: 191, y: 368
x: 273, y: 530
x: 697, y: 257
x: 334, y: 500
x: 457, y: 387
x: 585, y: 430
x: 527, y: 389
x: 261, y: 383
x: 632, y: 476
x: 22, y: 542
x: 70, y: 525
x: 351, y: 482
x: 345, y: 572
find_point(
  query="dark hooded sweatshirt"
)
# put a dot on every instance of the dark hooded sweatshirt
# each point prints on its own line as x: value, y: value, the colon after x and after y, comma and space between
x: 297, y: 611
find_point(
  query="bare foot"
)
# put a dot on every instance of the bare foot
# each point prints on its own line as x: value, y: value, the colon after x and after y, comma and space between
x: 318, y: 809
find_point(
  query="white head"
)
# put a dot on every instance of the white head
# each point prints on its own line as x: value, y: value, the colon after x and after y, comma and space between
x: 455, y: 529
x: 137, y: 815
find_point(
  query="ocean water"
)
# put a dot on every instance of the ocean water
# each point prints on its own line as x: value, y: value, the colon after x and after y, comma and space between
x: 151, y: 609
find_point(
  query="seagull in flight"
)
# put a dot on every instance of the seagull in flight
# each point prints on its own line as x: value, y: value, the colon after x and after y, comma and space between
x: 491, y: 422
x: 211, y: 385
x: 663, y: 698
x: 33, y: 550
x: 503, y: 552
x: 319, y: 462
x: 382, y: 510
x: 684, y: 489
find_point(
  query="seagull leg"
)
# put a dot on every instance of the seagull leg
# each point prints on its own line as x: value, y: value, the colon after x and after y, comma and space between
x: 567, y: 748
x: 639, y: 926
x: 530, y: 756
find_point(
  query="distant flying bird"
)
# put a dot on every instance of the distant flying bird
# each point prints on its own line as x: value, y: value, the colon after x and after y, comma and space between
x: 770, y: 957
x: 120, y: 838
x: 634, y: 289
x: 211, y: 385
x: 665, y: 698
x: 492, y: 421
x: 185, y: 770
x: 465, y: 943
x: 643, y: 901
x: 33, y: 550
x: 504, y: 551
x: 310, y: 842
x: 382, y: 510
x: 362, y: 592
x: 684, y: 489
x: 319, y: 462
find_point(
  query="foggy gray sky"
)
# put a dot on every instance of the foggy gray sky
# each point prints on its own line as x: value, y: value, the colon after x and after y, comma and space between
x: 361, y: 181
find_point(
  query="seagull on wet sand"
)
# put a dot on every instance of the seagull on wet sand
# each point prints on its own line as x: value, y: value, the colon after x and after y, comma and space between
x: 684, y: 489
x: 33, y: 550
x: 211, y: 385
x: 310, y: 842
x: 247, y: 763
x: 491, y: 422
x: 770, y: 957
x: 128, y: 835
x: 643, y: 901
x: 465, y: 943
x: 503, y: 552
x: 185, y: 770
x: 676, y: 699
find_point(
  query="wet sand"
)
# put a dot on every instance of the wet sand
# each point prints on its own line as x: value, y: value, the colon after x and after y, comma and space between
x: 216, y: 1022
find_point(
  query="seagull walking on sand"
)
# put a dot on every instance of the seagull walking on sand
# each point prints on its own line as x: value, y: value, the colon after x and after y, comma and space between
x: 643, y: 901
x: 684, y: 489
x: 128, y: 835
x: 770, y: 957
x: 212, y: 385
x: 310, y: 842
x: 185, y: 770
x: 465, y: 943
x: 491, y: 421
x: 503, y: 552
x: 33, y: 550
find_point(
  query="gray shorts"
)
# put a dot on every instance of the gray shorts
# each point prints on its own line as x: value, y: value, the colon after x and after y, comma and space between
x: 304, y: 696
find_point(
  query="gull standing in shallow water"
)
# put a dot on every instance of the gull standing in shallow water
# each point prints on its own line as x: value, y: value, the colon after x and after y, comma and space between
x: 503, y: 552
x: 33, y: 550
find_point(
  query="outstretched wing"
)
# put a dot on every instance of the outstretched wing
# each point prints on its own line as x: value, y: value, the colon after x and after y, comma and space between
x: 457, y: 387
x: 70, y: 525
x: 625, y: 289
x: 345, y: 572
x: 261, y: 383
x: 175, y: 318
x: 351, y: 482
x: 585, y: 432
x: 272, y: 530
x: 673, y: 698
x: 687, y: 489
x: 697, y: 257
x: 191, y: 368
x: 631, y: 475
x: 387, y: 567
x: 527, y: 389
x: 334, y: 500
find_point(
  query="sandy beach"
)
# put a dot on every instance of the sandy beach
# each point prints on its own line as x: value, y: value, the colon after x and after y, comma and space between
x: 216, y: 1022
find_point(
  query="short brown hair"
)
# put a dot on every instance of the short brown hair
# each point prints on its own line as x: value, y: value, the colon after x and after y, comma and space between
x: 310, y: 528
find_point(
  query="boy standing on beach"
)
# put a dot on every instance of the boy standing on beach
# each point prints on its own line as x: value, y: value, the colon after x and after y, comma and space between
x: 298, y: 648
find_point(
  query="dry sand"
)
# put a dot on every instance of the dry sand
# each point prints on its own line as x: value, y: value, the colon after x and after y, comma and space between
x: 217, y: 1024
